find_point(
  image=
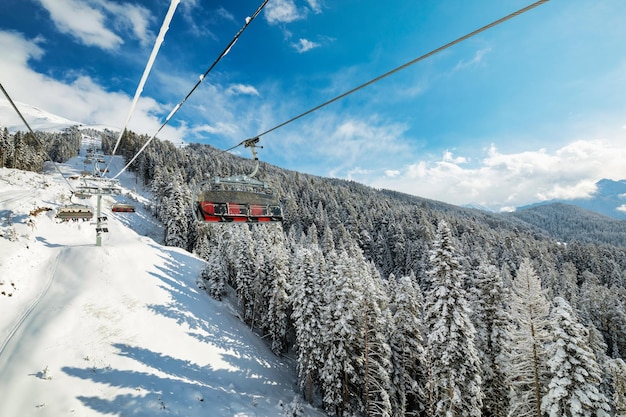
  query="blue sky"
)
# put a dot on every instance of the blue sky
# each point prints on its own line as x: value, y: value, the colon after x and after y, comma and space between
x: 532, y: 109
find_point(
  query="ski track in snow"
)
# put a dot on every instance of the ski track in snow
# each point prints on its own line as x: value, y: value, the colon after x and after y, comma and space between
x: 15, y: 327
x: 120, y: 329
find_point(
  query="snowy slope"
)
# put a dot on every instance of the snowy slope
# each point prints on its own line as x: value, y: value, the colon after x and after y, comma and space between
x: 120, y: 329
x: 37, y: 118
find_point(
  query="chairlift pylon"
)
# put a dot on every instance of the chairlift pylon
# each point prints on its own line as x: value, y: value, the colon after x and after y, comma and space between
x: 239, y: 198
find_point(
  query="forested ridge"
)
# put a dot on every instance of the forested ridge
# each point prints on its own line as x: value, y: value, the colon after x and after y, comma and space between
x: 567, y: 223
x: 394, y: 305
x: 23, y: 151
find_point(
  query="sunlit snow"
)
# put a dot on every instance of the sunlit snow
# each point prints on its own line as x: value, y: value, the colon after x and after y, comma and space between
x: 119, y: 329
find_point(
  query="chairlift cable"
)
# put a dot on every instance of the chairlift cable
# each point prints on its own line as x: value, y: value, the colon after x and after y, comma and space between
x: 226, y: 50
x: 155, y: 50
x: 397, y: 69
x: 36, y: 138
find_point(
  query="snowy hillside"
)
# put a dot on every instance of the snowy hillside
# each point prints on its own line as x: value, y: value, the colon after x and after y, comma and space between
x: 37, y: 118
x: 120, y: 329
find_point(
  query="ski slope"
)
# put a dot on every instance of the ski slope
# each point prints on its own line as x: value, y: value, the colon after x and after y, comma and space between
x: 121, y: 329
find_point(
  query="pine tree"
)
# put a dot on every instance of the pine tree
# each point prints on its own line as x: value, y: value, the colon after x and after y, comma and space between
x: 617, y: 370
x: 214, y: 274
x: 278, y: 291
x: 407, y: 348
x: 529, y: 334
x: 176, y: 213
x: 342, y: 326
x: 492, y: 321
x: 454, y: 385
x: 245, y: 266
x: 377, y: 353
x: 307, y: 306
x: 573, y: 390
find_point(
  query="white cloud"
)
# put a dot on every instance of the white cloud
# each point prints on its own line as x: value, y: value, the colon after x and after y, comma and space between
x: 503, y: 181
x: 449, y: 157
x: 242, y: 89
x: 78, y: 98
x: 304, y: 45
x: 392, y: 173
x: 282, y: 11
x: 218, y: 128
x: 622, y: 208
x: 17, y: 51
x: 90, y: 21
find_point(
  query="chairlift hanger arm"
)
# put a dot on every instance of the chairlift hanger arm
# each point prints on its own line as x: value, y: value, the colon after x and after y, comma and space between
x: 252, y: 143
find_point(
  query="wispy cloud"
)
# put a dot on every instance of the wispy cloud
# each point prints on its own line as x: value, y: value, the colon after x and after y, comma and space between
x: 91, y: 22
x: 304, y: 45
x: 477, y: 59
x: 242, y: 89
x: 315, y: 6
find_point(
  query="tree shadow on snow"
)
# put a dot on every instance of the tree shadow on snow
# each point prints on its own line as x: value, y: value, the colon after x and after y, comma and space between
x: 182, y: 387
x: 177, y: 386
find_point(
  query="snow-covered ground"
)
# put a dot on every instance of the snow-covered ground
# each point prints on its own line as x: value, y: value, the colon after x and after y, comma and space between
x: 119, y: 329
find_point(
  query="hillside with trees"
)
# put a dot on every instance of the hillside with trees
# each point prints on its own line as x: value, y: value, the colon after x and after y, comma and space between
x: 568, y: 223
x: 397, y: 305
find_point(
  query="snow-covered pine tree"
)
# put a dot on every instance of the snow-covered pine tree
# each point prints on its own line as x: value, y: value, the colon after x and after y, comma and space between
x: 617, y: 370
x: 276, y: 320
x: 203, y: 242
x: 342, y: 327
x: 307, y: 305
x: 492, y: 320
x: 214, y: 274
x: 176, y: 213
x: 377, y: 353
x: 245, y: 265
x: 158, y: 187
x: 407, y: 348
x: 529, y: 333
x: 573, y: 390
x: 454, y: 385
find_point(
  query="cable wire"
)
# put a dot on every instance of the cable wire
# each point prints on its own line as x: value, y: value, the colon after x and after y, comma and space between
x: 202, y: 77
x: 35, y: 136
x: 401, y: 67
x: 155, y: 50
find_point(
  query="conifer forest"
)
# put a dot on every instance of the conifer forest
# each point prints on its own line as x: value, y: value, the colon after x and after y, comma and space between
x: 395, y: 305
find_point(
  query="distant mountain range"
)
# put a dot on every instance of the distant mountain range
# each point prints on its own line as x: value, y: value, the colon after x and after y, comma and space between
x: 609, y: 200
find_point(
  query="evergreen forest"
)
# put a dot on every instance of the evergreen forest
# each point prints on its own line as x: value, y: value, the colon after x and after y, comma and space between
x: 395, y: 305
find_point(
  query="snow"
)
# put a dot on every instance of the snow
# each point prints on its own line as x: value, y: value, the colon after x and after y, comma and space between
x: 119, y: 329
x: 38, y: 119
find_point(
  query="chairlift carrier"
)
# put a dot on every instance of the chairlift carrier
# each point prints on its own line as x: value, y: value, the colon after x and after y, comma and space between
x: 74, y: 212
x: 122, y: 208
x: 239, y: 198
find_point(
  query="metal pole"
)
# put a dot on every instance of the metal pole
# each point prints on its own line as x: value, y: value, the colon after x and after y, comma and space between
x: 98, y: 221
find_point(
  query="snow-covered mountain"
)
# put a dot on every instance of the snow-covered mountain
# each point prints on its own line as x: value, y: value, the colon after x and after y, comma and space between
x: 120, y: 329
x: 609, y: 200
x: 37, y: 118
